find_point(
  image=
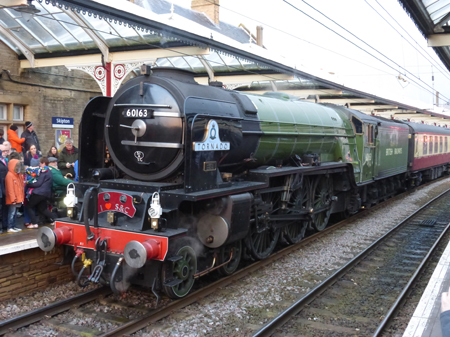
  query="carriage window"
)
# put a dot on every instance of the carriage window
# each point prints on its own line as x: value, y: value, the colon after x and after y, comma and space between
x: 436, y: 144
x: 425, y: 144
x: 357, y: 124
x: 370, y: 134
x: 430, y: 148
x: 416, y: 147
x: 446, y: 144
x: 441, y: 145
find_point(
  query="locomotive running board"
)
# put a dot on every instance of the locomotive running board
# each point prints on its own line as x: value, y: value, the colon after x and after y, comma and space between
x: 235, y: 188
x: 261, y: 174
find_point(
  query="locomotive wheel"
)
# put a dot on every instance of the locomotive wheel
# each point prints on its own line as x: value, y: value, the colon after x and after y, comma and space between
x: 294, y: 232
x: 262, y: 238
x: 224, y: 256
x: 322, y: 193
x: 261, y: 245
x: 183, y: 270
x: 301, y: 200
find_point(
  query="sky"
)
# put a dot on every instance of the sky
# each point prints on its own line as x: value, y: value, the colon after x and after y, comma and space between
x: 370, y: 45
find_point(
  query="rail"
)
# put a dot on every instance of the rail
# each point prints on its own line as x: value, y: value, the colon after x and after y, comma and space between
x: 295, y: 308
x: 51, y: 310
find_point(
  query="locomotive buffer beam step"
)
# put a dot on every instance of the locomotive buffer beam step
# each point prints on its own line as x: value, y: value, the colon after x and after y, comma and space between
x: 174, y: 258
x: 173, y: 283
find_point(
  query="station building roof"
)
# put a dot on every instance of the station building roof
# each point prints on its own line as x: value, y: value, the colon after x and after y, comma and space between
x: 80, y: 32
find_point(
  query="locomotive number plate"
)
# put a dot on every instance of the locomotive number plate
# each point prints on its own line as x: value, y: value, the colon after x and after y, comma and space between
x: 137, y: 113
x: 209, y: 166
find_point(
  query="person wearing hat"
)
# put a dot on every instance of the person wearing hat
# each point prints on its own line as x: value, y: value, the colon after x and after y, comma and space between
x: 59, y: 182
x: 13, y: 138
x: 41, y: 192
x: 31, y: 137
x: 67, y: 158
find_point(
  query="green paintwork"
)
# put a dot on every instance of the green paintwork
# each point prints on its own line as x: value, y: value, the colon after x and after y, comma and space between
x: 392, y: 151
x: 297, y: 127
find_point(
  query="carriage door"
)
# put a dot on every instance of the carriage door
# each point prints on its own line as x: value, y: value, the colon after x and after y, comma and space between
x: 369, y: 151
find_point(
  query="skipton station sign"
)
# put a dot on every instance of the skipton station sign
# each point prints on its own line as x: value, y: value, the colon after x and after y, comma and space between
x: 62, y: 122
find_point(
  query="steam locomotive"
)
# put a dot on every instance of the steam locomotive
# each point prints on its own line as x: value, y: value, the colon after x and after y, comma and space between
x: 202, y: 176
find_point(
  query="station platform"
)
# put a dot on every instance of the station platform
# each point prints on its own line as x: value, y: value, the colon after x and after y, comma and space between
x: 426, y: 318
x: 16, y: 242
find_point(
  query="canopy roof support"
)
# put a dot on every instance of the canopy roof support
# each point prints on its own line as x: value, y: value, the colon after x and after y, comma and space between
x: 97, y: 39
x: 27, y: 52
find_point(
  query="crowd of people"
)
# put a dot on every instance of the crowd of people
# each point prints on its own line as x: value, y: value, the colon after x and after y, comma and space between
x: 28, y: 180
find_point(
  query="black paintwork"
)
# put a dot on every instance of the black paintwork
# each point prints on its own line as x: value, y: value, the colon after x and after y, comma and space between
x: 177, y: 89
x: 91, y: 144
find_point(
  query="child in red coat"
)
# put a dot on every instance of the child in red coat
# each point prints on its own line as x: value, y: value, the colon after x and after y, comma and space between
x: 14, y: 193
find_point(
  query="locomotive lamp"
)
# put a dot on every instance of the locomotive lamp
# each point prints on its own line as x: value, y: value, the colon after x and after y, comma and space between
x: 70, y: 200
x: 155, y: 211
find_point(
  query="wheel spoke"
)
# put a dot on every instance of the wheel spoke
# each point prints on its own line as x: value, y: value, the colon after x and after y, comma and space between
x: 175, y: 270
x: 322, y: 196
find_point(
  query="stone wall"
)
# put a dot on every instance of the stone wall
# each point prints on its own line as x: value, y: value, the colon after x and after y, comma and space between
x: 31, y: 270
x: 44, y: 93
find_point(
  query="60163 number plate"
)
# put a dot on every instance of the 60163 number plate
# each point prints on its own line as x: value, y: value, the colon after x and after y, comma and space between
x: 137, y: 113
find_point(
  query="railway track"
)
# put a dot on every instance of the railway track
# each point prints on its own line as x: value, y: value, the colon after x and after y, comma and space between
x: 362, y: 297
x: 51, y: 310
x: 127, y: 327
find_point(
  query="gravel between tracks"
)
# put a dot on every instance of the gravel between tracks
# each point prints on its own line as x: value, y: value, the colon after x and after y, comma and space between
x: 39, y: 299
x: 242, y: 308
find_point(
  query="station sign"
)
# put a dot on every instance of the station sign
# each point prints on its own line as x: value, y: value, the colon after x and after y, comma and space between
x: 62, y: 122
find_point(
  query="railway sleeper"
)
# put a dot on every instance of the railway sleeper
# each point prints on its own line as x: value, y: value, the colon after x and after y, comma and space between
x: 71, y: 328
x: 315, y: 325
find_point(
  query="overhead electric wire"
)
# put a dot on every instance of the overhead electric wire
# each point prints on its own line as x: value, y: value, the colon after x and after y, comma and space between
x: 184, y: 54
x: 429, y: 58
x: 297, y: 37
x: 359, y: 47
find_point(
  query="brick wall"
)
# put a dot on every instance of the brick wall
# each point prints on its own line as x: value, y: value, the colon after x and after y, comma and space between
x: 210, y: 8
x: 41, y: 103
x: 31, y: 270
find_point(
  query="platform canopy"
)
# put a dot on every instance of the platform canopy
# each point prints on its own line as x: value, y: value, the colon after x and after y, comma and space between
x: 110, y: 38
x: 432, y: 17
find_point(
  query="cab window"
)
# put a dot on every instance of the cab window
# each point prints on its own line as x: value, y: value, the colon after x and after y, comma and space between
x: 425, y: 144
x: 358, y: 125
x: 370, y: 135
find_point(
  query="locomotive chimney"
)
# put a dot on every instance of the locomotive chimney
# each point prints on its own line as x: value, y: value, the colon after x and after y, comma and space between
x: 209, y: 7
x: 259, y: 36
